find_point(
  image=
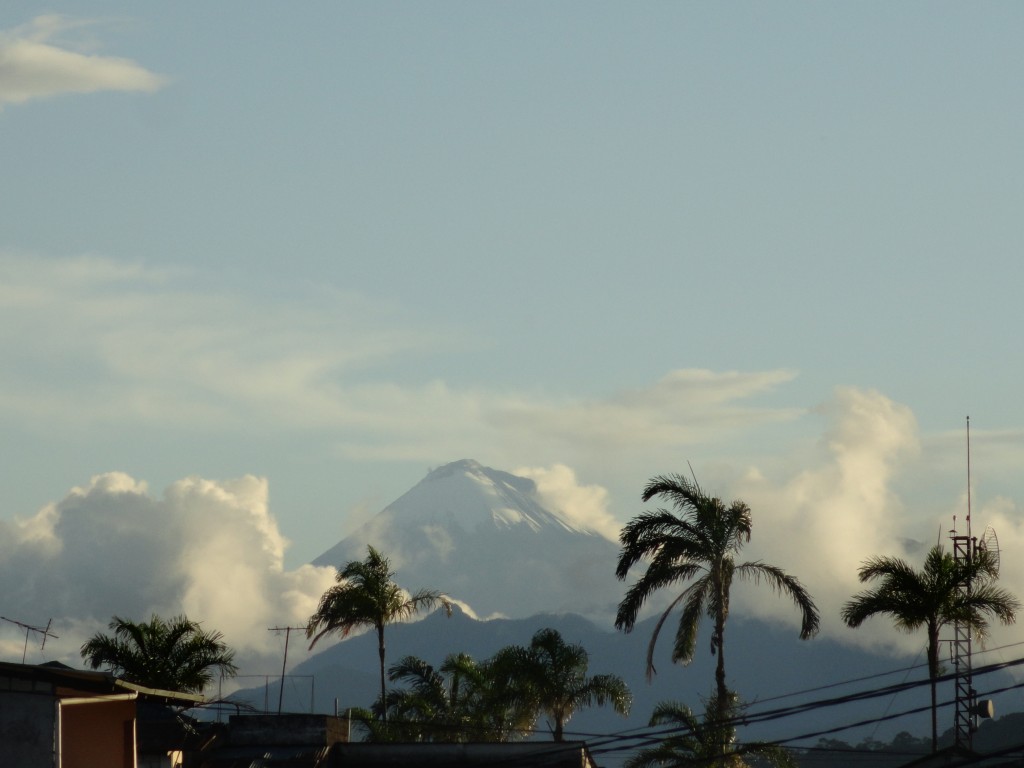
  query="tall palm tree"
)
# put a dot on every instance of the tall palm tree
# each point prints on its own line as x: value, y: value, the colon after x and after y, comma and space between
x: 698, y: 741
x: 933, y: 598
x: 550, y: 676
x: 366, y: 595
x: 696, y: 543
x: 175, y: 654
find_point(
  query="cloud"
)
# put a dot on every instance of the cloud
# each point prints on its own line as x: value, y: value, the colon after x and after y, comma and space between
x: 825, y: 512
x: 93, y: 341
x: 584, y: 505
x: 209, y: 549
x: 213, y: 549
x: 682, y: 408
x: 34, y: 66
x: 820, y: 521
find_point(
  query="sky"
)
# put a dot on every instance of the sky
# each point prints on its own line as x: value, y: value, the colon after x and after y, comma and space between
x: 262, y: 266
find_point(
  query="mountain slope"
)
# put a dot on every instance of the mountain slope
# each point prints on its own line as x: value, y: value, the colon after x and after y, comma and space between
x: 485, y: 538
x: 767, y: 663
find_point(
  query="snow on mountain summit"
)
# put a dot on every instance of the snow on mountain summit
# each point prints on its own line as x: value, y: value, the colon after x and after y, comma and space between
x: 485, y: 537
x: 468, y: 494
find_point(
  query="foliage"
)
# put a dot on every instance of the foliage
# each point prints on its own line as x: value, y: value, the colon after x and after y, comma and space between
x: 499, y: 699
x: 172, y: 655
x: 933, y: 598
x: 710, y: 740
x: 366, y: 595
x: 696, y: 543
x: 551, y: 675
x: 462, y: 701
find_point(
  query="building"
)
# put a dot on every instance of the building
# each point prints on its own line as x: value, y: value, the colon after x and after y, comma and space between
x: 53, y: 715
x: 320, y: 741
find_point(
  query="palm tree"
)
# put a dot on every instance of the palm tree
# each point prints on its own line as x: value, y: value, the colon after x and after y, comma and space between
x: 462, y: 700
x: 551, y: 675
x: 696, y: 543
x: 699, y: 742
x: 366, y: 595
x: 172, y: 655
x: 420, y: 712
x: 933, y: 598
x: 487, y: 702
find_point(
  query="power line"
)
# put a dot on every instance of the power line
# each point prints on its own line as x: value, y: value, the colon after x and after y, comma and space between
x: 615, y: 742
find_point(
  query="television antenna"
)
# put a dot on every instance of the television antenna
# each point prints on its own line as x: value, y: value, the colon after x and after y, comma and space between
x: 989, y: 542
x: 44, y: 631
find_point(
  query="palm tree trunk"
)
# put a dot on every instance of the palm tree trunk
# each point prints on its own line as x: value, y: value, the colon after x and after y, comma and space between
x: 933, y: 674
x: 383, y: 688
x: 935, y: 717
x: 723, y: 691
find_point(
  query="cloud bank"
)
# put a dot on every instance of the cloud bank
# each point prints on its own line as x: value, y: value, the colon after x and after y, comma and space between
x: 150, y: 347
x: 822, y: 521
x: 94, y: 344
x: 33, y: 65
x: 212, y: 549
x: 209, y: 549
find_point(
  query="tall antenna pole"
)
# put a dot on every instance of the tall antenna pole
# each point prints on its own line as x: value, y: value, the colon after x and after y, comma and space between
x: 968, y: 476
x: 964, y: 552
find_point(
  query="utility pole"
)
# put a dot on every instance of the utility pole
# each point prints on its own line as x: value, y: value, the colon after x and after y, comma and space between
x: 284, y: 665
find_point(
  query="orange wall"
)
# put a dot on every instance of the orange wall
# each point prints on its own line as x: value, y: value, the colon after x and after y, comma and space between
x: 98, y: 735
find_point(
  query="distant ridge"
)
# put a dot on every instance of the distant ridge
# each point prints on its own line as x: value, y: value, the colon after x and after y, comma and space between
x: 484, y: 537
x: 766, y: 661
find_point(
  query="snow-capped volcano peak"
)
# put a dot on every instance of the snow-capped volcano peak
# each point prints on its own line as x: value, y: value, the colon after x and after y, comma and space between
x: 485, y: 537
x: 468, y: 494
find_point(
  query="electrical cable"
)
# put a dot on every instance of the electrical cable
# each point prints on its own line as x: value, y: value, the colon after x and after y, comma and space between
x: 654, y: 735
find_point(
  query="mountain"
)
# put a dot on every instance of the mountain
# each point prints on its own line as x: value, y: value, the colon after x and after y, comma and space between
x: 773, y: 671
x: 485, y: 538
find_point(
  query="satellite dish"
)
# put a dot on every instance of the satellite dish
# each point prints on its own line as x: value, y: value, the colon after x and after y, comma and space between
x: 990, y: 543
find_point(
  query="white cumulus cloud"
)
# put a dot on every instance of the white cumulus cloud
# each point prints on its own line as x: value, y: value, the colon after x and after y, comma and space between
x: 209, y: 549
x: 586, y: 505
x: 821, y: 522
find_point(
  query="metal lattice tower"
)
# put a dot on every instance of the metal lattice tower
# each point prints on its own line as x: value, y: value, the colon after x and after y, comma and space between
x: 964, y: 548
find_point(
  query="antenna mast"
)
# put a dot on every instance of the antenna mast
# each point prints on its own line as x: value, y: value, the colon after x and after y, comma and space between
x: 968, y: 476
x: 964, y: 548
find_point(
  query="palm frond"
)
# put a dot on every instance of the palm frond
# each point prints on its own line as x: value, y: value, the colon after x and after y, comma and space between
x: 789, y: 586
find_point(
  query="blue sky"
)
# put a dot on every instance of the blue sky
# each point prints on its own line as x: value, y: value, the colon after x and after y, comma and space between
x: 334, y: 245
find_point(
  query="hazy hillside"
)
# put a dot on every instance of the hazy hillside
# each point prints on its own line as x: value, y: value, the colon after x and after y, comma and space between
x: 766, y: 663
x: 484, y: 537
